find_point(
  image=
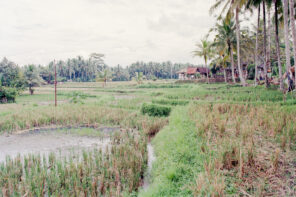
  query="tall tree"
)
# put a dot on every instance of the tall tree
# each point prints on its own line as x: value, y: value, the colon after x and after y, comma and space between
x: 268, y: 51
x: 226, y: 40
x: 231, y: 6
x: 287, y: 33
x: 204, y: 50
x: 265, y: 44
x: 292, y: 22
x: 257, y: 47
x: 277, y: 40
x: 237, y: 10
x: 32, y: 78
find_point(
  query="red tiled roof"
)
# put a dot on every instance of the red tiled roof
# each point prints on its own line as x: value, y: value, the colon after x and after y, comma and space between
x: 191, y: 71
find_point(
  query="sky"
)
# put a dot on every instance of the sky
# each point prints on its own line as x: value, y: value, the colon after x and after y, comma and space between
x: 126, y: 31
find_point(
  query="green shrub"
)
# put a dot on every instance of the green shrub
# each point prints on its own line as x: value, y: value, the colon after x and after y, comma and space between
x: 155, y: 110
x: 8, y: 95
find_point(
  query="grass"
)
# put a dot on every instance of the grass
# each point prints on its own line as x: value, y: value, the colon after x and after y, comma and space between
x: 176, y: 148
x: 219, y: 139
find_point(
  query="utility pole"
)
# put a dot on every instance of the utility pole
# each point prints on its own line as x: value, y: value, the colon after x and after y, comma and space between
x: 55, y: 84
x: 171, y: 71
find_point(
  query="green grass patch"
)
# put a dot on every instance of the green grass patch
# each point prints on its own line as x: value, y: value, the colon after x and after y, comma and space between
x: 179, y: 159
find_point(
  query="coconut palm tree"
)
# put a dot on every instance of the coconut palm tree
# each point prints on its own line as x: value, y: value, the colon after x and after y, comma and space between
x: 277, y: 40
x: 226, y: 40
x: 287, y: 32
x: 204, y: 50
x: 139, y: 77
x: 264, y: 44
x: 103, y: 76
x: 32, y: 78
x: 257, y: 47
x: 292, y: 22
x: 231, y: 7
x: 266, y: 41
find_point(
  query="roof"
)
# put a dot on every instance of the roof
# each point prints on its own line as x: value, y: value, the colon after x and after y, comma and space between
x: 191, y: 71
x: 194, y: 70
x: 203, y: 70
x: 183, y: 71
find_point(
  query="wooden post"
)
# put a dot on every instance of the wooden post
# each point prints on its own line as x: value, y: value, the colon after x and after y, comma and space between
x: 55, y: 84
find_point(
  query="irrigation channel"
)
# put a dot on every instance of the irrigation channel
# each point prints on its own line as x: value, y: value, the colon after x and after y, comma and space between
x: 63, y: 142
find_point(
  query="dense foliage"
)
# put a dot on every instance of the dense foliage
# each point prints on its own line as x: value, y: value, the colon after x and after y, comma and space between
x: 155, y: 110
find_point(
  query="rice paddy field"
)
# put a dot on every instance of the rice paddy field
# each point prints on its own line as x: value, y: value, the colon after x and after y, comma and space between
x: 160, y: 138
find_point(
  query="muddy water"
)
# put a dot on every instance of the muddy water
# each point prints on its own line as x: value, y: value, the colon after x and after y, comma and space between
x: 151, y: 159
x: 47, y: 142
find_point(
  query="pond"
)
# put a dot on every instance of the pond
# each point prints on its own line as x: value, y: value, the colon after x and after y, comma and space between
x: 44, y: 142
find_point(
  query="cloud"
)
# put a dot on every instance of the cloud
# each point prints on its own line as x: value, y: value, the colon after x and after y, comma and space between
x: 34, y: 31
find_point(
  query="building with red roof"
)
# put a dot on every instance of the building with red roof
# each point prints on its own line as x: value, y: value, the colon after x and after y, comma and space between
x: 193, y: 73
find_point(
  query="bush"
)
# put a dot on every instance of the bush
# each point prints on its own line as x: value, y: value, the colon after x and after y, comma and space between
x: 8, y: 95
x: 155, y: 110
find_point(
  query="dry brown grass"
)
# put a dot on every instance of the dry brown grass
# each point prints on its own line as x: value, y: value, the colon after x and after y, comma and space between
x: 253, y: 145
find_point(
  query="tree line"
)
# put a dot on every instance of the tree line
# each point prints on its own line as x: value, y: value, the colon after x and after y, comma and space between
x: 15, y: 79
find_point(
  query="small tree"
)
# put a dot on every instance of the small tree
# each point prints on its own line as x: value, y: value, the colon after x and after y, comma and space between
x: 103, y: 77
x: 32, y: 78
x: 139, y: 77
x: 204, y: 50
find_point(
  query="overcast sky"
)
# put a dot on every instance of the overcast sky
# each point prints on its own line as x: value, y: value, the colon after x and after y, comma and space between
x: 38, y: 31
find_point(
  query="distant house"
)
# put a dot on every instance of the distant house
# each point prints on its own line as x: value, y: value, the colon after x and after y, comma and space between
x: 192, y: 72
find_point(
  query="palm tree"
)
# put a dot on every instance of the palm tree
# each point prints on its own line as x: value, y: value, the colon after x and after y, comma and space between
x: 264, y: 44
x: 267, y: 38
x: 32, y: 78
x: 287, y: 41
x: 277, y: 40
x: 292, y: 22
x: 103, y: 77
x: 231, y: 6
x: 226, y: 40
x: 204, y: 50
x: 269, y: 26
x: 257, y: 46
x: 139, y: 77
x: 222, y: 60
